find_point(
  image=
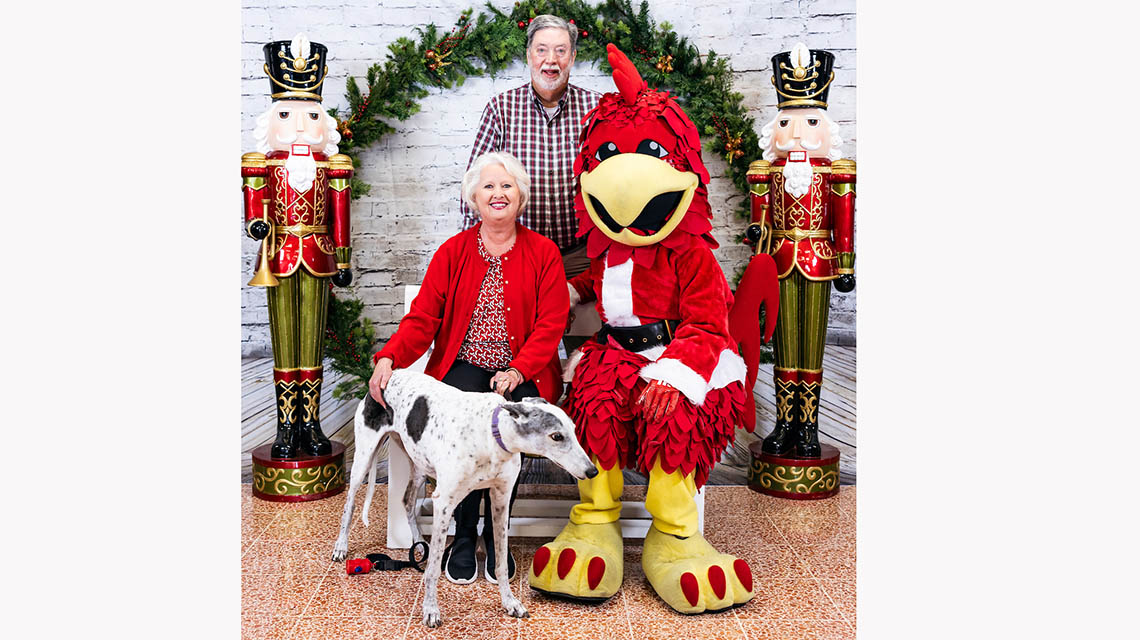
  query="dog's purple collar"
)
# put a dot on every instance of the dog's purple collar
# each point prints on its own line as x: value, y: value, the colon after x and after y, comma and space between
x: 495, y: 429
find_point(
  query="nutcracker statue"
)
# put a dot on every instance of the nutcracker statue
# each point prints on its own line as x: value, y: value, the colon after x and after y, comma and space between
x: 297, y: 194
x: 803, y: 203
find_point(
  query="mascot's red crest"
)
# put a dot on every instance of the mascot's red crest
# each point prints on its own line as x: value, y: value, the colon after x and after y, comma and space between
x: 642, y: 179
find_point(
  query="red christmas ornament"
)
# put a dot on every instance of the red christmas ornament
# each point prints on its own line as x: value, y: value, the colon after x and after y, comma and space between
x: 585, y: 34
x: 522, y: 25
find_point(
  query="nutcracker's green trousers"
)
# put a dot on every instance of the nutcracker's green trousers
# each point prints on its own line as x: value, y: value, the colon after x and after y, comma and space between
x: 298, y: 308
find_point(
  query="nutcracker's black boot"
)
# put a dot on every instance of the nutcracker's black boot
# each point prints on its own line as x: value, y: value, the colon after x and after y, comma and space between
x: 807, y: 435
x: 459, y: 565
x: 313, y: 440
x: 285, y: 390
x: 489, y: 537
x: 781, y: 441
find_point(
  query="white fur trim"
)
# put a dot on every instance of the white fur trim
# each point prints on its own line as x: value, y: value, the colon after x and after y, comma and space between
x: 680, y: 376
x: 653, y: 353
x: 729, y: 368
x: 575, y: 299
x: 617, y: 295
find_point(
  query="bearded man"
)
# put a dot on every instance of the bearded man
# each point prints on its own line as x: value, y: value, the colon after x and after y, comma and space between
x: 539, y: 123
x: 297, y: 195
x: 805, y: 198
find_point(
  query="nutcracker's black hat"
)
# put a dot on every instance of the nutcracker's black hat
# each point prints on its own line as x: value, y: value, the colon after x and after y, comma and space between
x: 296, y: 68
x: 802, y: 77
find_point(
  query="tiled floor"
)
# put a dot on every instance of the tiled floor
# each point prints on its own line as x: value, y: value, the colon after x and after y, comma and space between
x: 802, y: 554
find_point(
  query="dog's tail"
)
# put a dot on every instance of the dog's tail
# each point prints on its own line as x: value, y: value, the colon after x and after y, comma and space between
x: 371, y: 480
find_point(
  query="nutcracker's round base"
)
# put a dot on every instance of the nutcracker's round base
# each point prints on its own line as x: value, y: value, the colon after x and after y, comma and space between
x: 794, y: 478
x: 297, y: 479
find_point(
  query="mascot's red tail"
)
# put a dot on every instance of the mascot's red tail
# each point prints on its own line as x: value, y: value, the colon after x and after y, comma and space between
x: 759, y: 287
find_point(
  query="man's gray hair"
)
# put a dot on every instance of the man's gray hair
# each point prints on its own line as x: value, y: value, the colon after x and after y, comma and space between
x: 512, y: 166
x: 547, y: 21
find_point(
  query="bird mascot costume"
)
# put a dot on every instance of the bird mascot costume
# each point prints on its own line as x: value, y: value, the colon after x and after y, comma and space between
x: 661, y: 387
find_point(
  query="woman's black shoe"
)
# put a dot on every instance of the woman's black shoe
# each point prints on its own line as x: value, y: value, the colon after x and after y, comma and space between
x: 459, y: 561
x: 489, y: 568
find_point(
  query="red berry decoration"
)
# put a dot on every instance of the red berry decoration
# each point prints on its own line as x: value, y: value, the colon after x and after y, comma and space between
x: 571, y: 20
x: 522, y: 25
x: 585, y: 34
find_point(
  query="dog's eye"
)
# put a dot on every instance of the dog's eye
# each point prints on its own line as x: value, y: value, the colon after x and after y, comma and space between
x: 557, y: 437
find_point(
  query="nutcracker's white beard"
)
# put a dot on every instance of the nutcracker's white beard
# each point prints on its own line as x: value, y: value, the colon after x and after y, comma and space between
x: 301, y: 170
x: 797, y: 177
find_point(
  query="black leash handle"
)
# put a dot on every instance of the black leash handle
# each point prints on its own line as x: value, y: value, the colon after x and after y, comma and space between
x: 381, y: 561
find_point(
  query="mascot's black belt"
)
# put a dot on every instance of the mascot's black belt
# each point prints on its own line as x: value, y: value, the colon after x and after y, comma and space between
x: 639, y: 338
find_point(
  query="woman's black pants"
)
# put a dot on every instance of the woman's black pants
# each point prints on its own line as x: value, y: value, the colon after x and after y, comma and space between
x: 468, y: 377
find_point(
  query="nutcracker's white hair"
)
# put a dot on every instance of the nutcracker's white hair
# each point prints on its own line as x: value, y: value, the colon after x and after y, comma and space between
x: 261, y: 132
x: 767, y: 144
x: 509, y: 163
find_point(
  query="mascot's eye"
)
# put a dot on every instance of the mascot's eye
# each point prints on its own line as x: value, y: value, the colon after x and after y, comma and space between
x: 783, y: 123
x: 813, y: 122
x: 651, y: 148
x: 608, y: 149
x: 284, y: 115
x: 557, y: 437
x: 313, y: 116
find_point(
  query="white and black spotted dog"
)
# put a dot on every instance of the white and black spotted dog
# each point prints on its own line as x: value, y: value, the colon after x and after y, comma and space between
x: 466, y: 441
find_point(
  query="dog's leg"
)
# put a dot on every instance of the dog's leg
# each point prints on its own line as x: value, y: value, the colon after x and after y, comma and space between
x: 366, y: 442
x: 410, y: 495
x: 444, y: 503
x: 500, y: 502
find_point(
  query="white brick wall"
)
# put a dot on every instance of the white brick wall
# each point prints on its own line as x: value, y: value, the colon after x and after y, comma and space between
x: 415, y: 172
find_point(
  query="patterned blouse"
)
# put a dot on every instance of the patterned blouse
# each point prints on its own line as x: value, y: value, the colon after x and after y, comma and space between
x: 485, y: 344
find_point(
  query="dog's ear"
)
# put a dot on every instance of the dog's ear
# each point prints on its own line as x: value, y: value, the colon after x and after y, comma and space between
x: 375, y: 415
x: 517, y: 411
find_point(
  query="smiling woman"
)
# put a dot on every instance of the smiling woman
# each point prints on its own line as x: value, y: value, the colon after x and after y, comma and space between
x: 494, y: 301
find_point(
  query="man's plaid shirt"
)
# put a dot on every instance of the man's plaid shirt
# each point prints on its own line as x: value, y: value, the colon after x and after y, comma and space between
x: 514, y: 121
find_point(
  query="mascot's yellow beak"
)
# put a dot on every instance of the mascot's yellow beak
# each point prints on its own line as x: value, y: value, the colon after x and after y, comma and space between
x: 636, y: 199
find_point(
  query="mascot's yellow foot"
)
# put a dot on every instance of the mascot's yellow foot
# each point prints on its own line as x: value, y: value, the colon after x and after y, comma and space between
x: 693, y: 577
x: 583, y: 563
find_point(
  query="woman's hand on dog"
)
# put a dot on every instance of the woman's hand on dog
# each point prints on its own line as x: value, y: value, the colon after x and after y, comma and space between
x: 379, y: 380
x: 506, y: 381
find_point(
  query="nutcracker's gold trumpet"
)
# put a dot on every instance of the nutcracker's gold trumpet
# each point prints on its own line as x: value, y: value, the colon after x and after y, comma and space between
x: 264, y: 276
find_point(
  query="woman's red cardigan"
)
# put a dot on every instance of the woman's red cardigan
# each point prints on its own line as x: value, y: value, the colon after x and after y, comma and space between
x: 535, y: 296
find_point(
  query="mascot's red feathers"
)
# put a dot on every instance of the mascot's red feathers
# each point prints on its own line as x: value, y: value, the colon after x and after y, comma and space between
x: 623, y: 123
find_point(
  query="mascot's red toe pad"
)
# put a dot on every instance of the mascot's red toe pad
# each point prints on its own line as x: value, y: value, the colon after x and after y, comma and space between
x: 565, y: 562
x: 743, y: 573
x: 596, y: 570
x: 689, y: 588
x: 541, y: 557
x: 716, y: 579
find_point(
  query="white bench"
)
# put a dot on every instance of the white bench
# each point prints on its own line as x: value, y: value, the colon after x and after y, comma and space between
x: 530, y: 517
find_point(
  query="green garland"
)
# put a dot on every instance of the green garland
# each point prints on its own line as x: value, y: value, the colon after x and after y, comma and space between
x: 489, y: 43
x: 493, y: 40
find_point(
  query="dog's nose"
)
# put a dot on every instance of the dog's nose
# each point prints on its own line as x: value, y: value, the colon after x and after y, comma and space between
x: 592, y: 472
